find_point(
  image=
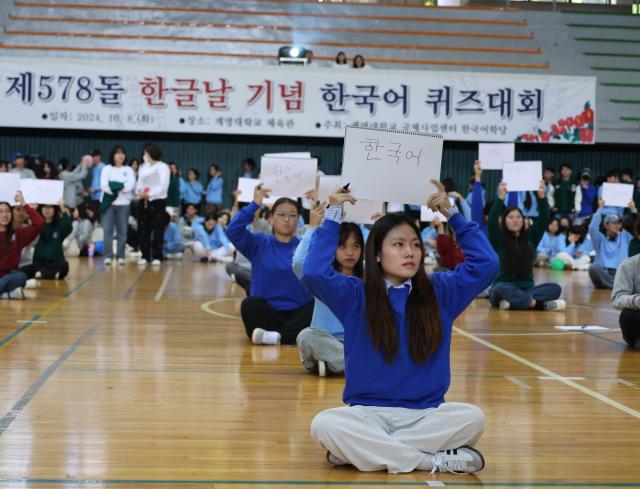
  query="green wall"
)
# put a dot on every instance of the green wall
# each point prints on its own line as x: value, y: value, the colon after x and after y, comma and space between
x: 200, y: 150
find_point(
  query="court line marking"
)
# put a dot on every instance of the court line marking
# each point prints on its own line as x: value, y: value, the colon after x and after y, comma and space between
x: 205, y: 307
x: 8, y: 339
x: 627, y: 383
x: 165, y: 281
x: 550, y: 373
x: 129, y: 291
x: 517, y: 381
x: 19, y: 406
x: 595, y: 335
x: 29, y: 321
x: 311, y: 483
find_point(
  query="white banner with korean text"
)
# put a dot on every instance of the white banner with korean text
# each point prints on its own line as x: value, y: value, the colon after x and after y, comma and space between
x: 294, y: 101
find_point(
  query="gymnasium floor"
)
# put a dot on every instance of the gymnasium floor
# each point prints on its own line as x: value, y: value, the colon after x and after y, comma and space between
x: 123, y: 377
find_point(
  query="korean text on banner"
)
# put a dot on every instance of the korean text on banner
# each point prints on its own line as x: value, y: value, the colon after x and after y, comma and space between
x: 617, y: 194
x: 9, y: 185
x: 289, y: 177
x: 522, y: 175
x: 42, y: 191
x: 492, y: 156
x: 391, y: 166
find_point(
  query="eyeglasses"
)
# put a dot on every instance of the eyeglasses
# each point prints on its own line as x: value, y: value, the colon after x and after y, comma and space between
x: 5, y: 211
x: 282, y: 215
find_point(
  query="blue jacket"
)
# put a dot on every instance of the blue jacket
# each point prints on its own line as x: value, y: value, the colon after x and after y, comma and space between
x: 191, y: 192
x: 577, y: 250
x: 609, y: 254
x: 322, y: 318
x: 213, y: 193
x: 532, y: 211
x: 477, y: 206
x: 210, y: 240
x: 271, y: 275
x: 370, y: 380
x: 172, y: 238
x: 95, y: 181
x: 551, y: 245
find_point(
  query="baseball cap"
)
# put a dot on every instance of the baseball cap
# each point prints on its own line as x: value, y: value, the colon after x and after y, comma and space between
x: 586, y: 171
x: 611, y: 218
x: 16, y: 155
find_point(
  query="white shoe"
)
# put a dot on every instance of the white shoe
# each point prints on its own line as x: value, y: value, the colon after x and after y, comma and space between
x: 31, y: 284
x: 504, y: 305
x: 333, y: 460
x: 17, y: 294
x: 322, y: 369
x: 225, y: 259
x: 120, y: 261
x: 4, y: 295
x: 142, y: 262
x: 107, y: 262
x: 557, y: 305
x: 38, y: 274
x: 463, y: 460
x: 263, y: 337
x: 156, y: 263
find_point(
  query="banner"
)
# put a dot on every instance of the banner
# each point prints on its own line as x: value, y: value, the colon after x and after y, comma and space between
x: 294, y: 101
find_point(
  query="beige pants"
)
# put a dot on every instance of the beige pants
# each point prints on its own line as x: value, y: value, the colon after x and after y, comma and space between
x: 581, y: 263
x: 219, y: 254
x: 395, y: 439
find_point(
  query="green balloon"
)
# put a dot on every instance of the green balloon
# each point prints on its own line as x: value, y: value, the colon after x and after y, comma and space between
x: 557, y: 264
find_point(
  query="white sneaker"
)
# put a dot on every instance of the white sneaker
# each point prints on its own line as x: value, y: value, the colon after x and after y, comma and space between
x: 263, y: 337
x: 4, y: 295
x: 156, y: 263
x: 463, y: 460
x: 557, y: 305
x: 142, y: 262
x: 120, y: 261
x: 225, y: 259
x: 38, y: 274
x: 107, y: 262
x: 178, y: 255
x: 504, y: 305
x: 17, y: 294
x: 322, y: 369
x: 333, y: 460
x: 31, y: 284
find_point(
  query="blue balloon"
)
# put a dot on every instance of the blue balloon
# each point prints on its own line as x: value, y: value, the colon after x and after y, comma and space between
x: 99, y: 247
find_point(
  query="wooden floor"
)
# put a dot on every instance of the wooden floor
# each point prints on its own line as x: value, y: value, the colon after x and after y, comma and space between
x: 123, y: 377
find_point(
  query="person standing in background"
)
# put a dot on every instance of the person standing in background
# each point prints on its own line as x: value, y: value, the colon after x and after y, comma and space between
x: 94, y: 192
x: 18, y: 166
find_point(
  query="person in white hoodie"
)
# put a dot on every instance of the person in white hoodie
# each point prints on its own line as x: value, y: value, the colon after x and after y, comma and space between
x: 626, y: 296
x: 116, y: 182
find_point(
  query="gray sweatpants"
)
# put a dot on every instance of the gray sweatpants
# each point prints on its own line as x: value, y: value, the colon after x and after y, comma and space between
x: 395, y: 439
x: 601, y: 277
x: 316, y: 345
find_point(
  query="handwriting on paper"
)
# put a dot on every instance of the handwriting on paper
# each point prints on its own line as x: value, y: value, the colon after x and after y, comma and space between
x: 392, y: 151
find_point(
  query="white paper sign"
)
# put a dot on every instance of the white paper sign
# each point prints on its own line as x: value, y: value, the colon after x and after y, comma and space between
x: 290, y: 177
x: 327, y: 185
x: 391, y: 166
x: 362, y: 211
x: 9, y: 185
x: 427, y: 215
x: 617, y: 194
x: 42, y: 191
x: 288, y: 155
x: 246, y: 186
x: 492, y: 156
x: 522, y: 175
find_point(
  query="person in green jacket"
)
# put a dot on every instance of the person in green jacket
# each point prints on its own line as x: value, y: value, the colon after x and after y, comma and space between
x: 48, y: 256
x: 515, y: 243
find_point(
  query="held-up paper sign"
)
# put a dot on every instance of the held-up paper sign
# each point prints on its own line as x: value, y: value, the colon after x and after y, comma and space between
x: 289, y: 177
x: 42, y: 191
x: 493, y: 155
x: 522, y: 175
x: 9, y: 186
x: 288, y: 155
x: 362, y: 211
x: 617, y: 194
x: 427, y: 215
x: 328, y: 184
x: 391, y: 166
x: 246, y: 186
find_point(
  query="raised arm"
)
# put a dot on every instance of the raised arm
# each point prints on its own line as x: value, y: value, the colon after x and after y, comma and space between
x: 27, y: 234
x: 495, y: 233
x: 237, y: 232
x: 301, y: 252
x: 544, y: 216
x: 594, y: 227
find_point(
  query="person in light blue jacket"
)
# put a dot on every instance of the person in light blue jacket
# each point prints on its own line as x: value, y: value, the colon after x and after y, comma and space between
x: 191, y: 190
x: 173, y: 246
x: 551, y: 243
x: 611, y: 248
x: 576, y: 249
x: 213, y: 192
x: 210, y: 241
x: 321, y: 345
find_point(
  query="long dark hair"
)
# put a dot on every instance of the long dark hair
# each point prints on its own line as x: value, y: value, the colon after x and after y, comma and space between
x: 48, y: 231
x: 118, y: 148
x: 346, y: 230
x: 518, y: 255
x: 8, y: 234
x: 425, y: 330
x: 213, y: 165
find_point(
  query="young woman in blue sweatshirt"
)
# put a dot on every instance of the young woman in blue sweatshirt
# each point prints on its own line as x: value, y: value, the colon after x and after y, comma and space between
x: 322, y: 344
x: 210, y: 241
x: 553, y: 241
x: 213, y: 192
x: 575, y: 250
x: 279, y: 306
x: 191, y: 191
x: 398, y: 326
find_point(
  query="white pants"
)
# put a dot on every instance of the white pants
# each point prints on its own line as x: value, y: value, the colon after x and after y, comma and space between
x: 219, y: 254
x: 581, y: 263
x: 395, y: 439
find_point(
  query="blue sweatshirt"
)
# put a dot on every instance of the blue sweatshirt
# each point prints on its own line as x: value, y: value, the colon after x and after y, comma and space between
x: 370, y: 380
x: 191, y: 192
x: 610, y: 209
x: 521, y: 196
x: 551, y: 245
x: 322, y: 318
x: 271, y: 275
x: 210, y: 240
x: 172, y: 239
x: 578, y: 250
x: 477, y: 206
x: 213, y: 193
x: 609, y: 254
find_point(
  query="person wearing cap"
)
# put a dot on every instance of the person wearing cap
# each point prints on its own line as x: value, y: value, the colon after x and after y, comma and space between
x: 585, y: 200
x: 611, y: 247
x: 613, y: 176
x: 626, y: 296
x: 95, y: 192
x: 18, y: 166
